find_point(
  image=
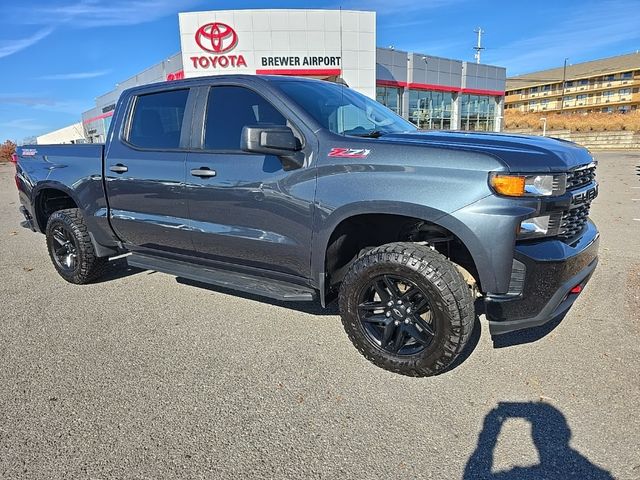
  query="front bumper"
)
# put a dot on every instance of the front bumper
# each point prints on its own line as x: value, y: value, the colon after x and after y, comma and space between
x: 551, y: 270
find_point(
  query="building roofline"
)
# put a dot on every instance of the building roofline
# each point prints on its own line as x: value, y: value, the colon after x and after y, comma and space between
x: 524, y: 80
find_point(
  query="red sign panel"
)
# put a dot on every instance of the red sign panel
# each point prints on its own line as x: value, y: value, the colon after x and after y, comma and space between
x: 179, y: 75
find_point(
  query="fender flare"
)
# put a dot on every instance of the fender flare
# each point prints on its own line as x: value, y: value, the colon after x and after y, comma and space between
x: 101, y: 250
x: 327, y: 225
x: 51, y: 185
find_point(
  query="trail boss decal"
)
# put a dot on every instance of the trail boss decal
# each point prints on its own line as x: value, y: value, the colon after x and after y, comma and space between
x: 349, y: 152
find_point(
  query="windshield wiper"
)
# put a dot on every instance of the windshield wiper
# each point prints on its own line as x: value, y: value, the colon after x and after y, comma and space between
x: 371, y: 134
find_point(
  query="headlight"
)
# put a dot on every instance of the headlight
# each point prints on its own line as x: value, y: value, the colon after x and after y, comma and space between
x: 528, y: 185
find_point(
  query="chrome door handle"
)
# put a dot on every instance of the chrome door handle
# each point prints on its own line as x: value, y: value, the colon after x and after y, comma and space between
x: 203, y: 172
x: 119, y: 168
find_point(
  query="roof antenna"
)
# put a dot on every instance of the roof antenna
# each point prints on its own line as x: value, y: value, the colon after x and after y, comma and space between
x: 478, y: 48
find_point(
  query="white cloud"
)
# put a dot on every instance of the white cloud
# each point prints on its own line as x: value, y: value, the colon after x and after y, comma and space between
x: 87, y: 14
x: 26, y: 124
x: 589, y: 30
x: 399, y: 7
x: 9, y: 47
x: 95, y: 13
x: 75, y: 75
x: 74, y: 107
x: 27, y: 100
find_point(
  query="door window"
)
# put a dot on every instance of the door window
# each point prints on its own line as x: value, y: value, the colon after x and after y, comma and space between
x: 157, y: 119
x: 229, y: 109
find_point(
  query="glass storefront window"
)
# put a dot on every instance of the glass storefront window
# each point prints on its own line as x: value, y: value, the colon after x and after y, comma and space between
x: 430, y: 110
x: 478, y: 113
x: 390, y: 98
x: 107, y: 124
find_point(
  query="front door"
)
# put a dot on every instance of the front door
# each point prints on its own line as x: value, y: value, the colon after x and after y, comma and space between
x: 145, y: 174
x: 245, y: 208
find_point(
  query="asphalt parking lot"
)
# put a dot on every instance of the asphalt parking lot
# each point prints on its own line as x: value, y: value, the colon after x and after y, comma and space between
x: 147, y: 376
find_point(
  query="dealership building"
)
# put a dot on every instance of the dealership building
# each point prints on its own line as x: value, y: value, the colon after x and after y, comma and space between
x: 333, y: 45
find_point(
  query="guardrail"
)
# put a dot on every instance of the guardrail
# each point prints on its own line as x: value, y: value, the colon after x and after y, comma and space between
x: 615, y: 140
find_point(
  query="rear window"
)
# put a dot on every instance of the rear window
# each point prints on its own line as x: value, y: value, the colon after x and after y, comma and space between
x: 157, y: 119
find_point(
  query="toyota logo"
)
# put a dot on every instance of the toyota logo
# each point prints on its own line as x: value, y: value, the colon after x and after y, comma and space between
x: 216, y: 37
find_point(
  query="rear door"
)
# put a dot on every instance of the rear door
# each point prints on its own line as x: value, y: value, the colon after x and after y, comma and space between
x: 248, y: 210
x: 145, y: 172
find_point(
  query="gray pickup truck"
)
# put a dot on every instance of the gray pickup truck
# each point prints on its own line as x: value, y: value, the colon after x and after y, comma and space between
x: 303, y: 190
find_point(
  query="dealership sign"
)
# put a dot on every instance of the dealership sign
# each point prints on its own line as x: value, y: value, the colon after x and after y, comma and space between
x: 217, y: 38
x: 284, y: 42
x: 307, y: 61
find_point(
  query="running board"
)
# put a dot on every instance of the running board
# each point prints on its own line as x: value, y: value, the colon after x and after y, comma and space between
x: 266, y: 287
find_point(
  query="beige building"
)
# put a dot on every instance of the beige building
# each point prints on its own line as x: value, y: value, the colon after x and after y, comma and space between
x: 606, y: 85
x: 70, y: 134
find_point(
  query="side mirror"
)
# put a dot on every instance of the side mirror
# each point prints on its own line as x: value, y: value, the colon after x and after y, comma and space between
x: 276, y: 140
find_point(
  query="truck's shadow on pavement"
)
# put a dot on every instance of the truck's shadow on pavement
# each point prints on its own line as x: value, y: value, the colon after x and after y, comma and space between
x: 118, y: 269
x: 550, y: 435
x: 122, y: 270
x: 528, y: 335
x: 312, y: 308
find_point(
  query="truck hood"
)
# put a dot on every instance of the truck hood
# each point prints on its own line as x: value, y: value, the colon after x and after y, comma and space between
x: 520, y: 153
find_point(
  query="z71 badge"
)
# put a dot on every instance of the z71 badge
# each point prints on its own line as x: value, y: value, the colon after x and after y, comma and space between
x: 349, y: 152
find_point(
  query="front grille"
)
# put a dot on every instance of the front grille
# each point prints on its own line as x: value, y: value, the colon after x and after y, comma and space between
x: 580, y: 177
x: 573, y: 221
x: 570, y: 223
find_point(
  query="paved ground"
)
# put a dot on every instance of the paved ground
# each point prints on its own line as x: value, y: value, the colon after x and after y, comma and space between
x: 144, y: 376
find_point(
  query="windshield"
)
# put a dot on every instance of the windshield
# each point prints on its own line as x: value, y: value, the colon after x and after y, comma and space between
x: 344, y: 111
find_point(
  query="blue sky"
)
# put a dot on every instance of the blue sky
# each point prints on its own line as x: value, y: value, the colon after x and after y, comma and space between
x: 56, y: 56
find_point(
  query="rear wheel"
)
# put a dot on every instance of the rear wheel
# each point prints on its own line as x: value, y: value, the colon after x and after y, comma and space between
x: 70, y: 247
x: 407, y: 308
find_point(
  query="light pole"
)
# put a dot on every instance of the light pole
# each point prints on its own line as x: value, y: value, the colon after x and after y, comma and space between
x: 564, y: 82
x: 544, y: 126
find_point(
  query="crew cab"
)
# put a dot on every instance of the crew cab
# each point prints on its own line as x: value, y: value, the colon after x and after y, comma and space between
x: 304, y: 190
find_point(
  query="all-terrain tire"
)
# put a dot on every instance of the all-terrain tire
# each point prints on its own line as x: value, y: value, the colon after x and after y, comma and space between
x: 86, y: 265
x: 451, y: 308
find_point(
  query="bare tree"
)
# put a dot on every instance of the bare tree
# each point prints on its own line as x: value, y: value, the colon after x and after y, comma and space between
x: 7, y: 149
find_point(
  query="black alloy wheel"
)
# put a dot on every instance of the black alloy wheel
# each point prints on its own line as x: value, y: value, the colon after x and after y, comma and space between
x: 396, y: 315
x: 407, y: 308
x: 71, y: 248
x: 64, y: 248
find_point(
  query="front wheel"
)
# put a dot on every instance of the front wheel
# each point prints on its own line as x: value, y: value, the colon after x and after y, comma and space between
x: 70, y: 247
x: 407, y: 309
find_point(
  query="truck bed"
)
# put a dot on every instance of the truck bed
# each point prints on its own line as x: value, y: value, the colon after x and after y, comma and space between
x: 74, y: 169
x: 47, y: 157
